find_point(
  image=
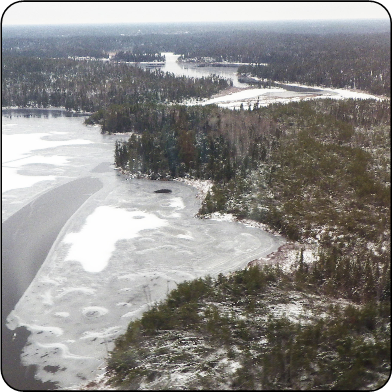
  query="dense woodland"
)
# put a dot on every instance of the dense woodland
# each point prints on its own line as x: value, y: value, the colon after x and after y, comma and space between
x: 88, y: 86
x: 356, y: 61
x: 316, y: 171
x: 225, y: 334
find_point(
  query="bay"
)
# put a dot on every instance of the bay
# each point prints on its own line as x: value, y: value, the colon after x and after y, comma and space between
x: 122, y: 250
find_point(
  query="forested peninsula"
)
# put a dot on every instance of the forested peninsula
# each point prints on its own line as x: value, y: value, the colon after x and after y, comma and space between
x: 316, y: 171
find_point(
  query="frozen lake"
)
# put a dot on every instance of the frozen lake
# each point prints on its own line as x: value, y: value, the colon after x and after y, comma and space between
x: 193, y: 71
x: 120, y: 249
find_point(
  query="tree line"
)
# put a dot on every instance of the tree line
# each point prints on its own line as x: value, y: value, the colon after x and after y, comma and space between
x: 138, y: 56
x: 91, y: 85
x: 334, y: 56
x: 201, y: 141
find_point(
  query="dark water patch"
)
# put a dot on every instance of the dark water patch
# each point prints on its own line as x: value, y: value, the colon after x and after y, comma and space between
x: 15, y: 374
x: 27, y: 237
x: 52, y: 369
x: 163, y: 191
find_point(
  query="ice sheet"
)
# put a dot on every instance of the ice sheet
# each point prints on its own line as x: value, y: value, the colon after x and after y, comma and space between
x: 127, y: 256
x: 17, y: 152
x: 243, y: 95
x: 10, y: 179
x: 262, y: 97
x: 177, y: 203
x: 19, y: 146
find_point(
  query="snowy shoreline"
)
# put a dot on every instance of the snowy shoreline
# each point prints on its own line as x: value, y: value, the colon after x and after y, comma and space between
x: 203, y: 187
x: 286, y: 255
x: 235, y: 97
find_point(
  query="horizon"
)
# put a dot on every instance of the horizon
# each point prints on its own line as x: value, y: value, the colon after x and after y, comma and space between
x: 93, y: 13
x: 195, y: 22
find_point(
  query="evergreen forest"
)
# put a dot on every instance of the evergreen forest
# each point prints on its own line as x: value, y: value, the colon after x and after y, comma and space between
x: 89, y: 86
x: 306, y: 169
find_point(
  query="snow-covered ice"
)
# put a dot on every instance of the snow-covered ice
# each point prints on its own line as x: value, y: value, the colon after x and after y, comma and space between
x: 95, y: 243
x: 20, y: 146
x: 266, y: 96
x: 93, y: 303
x: 10, y: 179
x: 19, y: 150
x: 243, y: 95
x: 177, y: 203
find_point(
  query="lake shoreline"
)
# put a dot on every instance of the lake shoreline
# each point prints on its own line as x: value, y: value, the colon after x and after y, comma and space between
x: 49, y: 108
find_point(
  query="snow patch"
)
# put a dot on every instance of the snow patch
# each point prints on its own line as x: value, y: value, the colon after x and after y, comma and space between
x: 92, y: 312
x: 250, y: 97
x: 62, y: 314
x: 222, y: 217
x: 13, y: 321
x: 10, y: 179
x: 20, y: 145
x: 185, y: 237
x: 177, y: 203
x: 103, y: 334
x: 63, y: 349
x: 17, y: 151
x: 82, y: 290
x: 95, y: 243
x: 242, y: 95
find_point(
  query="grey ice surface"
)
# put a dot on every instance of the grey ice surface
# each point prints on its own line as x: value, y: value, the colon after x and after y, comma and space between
x: 74, y: 315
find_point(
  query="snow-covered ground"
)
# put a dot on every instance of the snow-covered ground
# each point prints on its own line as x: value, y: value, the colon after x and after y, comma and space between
x: 249, y: 97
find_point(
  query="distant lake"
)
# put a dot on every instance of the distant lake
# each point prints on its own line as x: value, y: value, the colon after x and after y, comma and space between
x: 192, y: 70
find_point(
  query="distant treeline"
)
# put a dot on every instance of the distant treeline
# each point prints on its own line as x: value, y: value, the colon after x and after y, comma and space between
x: 135, y: 56
x: 92, y: 85
x: 355, y: 59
